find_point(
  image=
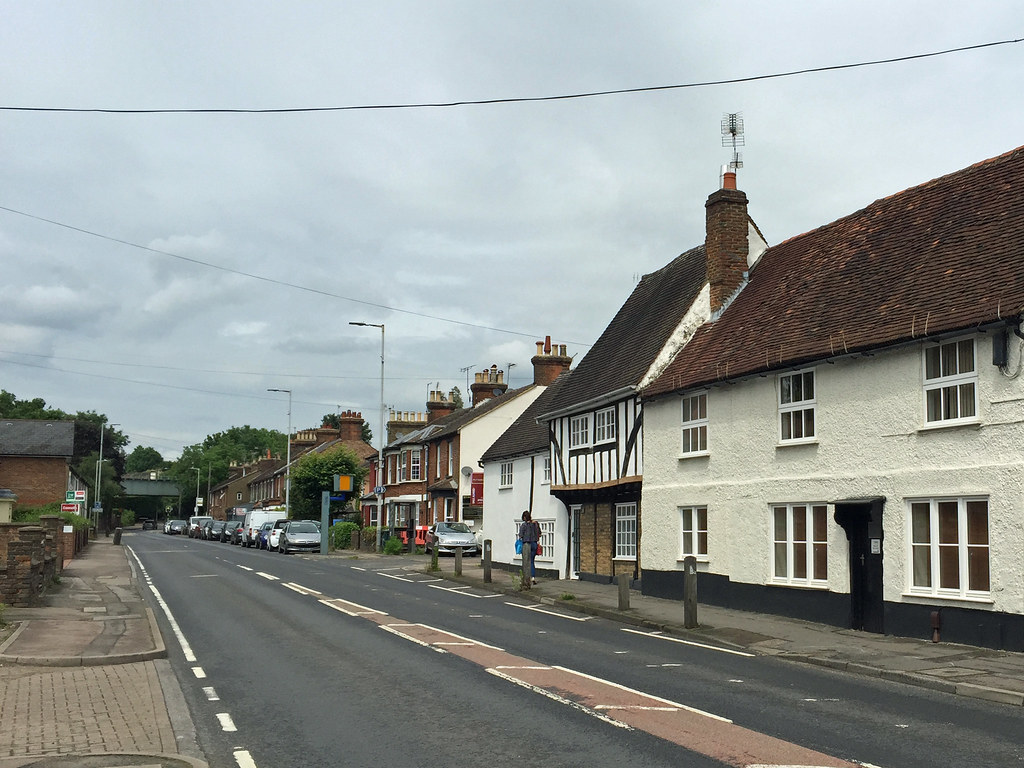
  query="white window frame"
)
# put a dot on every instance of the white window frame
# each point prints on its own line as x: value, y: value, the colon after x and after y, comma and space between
x: 437, y: 472
x: 693, y: 415
x: 797, y: 416
x: 579, y: 431
x: 926, y: 549
x: 391, y: 468
x: 950, y: 386
x: 625, y: 531
x: 402, y: 466
x: 693, y: 532
x: 415, y: 461
x: 604, y: 425
x: 789, y: 543
x: 451, y: 457
x: 547, y: 540
x: 507, y: 472
x: 546, y: 476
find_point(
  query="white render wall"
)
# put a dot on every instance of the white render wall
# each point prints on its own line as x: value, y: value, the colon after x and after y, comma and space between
x: 503, y: 509
x: 870, y: 442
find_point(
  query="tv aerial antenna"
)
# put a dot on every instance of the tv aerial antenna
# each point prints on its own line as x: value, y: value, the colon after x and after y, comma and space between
x: 732, y: 135
x: 466, y: 371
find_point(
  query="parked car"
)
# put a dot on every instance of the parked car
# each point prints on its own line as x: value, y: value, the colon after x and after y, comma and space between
x: 175, y: 527
x: 235, y: 531
x: 228, y: 533
x: 148, y: 524
x: 299, y: 536
x: 195, y: 525
x: 274, y: 534
x: 212, y: 529
x: 254, y: 518
x: 448, y: 537
x: 262, y: 535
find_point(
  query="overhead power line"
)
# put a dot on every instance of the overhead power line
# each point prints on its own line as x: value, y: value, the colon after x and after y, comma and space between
x: 525, y: 99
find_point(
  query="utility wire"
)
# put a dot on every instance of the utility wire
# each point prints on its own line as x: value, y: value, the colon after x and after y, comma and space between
x: 526, y: 99
x: 271, y: 280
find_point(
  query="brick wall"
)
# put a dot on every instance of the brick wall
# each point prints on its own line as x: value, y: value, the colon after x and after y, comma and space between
x: 27, y: 563
x: 35, y: 480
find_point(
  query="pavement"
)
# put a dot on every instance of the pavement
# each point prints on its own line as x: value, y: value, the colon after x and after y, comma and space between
x: 85, y: 681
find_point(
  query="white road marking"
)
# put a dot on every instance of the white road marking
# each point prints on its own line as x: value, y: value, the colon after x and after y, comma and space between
x: 244, y: 759
x: 301, y: 589
x: 350, y: 608
x: 268, y: 576
x: 245, y: 567
x: 538, y: 609
x: 397, y: 578
x: 458, y: 590
x: 199, y: 672
x: 211, y: 694
x: 178, y: 634
x: 560, y: 699
x: 226, y: 723
x: 658, y: 636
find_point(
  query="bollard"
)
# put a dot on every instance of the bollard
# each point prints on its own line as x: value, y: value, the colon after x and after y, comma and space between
x: 690, y: 592
x: 487, y: 561
x: 527, y: 579
x: 458, y: 561
x: 623, y: 581
x: 117, y: 535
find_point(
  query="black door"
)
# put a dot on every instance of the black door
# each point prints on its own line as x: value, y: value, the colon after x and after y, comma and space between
x: 862, y: 522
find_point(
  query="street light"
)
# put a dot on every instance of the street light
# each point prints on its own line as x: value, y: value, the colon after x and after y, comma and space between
x: 380, y: 440
x: 99, y: 475
x: 288, y: 460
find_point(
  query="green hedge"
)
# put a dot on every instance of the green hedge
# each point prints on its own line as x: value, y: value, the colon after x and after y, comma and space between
x: 341, y: 534
x: 31, y: 515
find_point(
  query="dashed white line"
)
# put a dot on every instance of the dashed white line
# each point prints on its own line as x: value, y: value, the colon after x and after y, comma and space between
x: 226, y: 723
x: 245, y: 567
x: 538, y: 609
x: 244, y: 759
x: 211, y: 694
x: 199, y: 672
x: 267, y: 576
x: 178, y: 634
x: 301, y: 589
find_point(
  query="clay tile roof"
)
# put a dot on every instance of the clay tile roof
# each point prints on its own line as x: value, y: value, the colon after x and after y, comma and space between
x: 637, y: 333
x: 939, y: 258
x: 526, y: 435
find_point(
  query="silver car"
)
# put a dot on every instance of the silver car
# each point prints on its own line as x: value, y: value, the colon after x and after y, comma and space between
x: 299, y: 536
x: 448, y: 537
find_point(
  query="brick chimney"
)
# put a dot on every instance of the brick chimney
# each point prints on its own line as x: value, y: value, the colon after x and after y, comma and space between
x: 490, y: 382
x: 549, y: 362
x: 726, y: 241
x: 439, y: 405
x: 351, y: 426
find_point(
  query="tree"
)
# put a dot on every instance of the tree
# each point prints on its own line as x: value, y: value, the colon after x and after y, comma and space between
x: 314, y: 473
x: 143, y: 458
x: 457, y: 398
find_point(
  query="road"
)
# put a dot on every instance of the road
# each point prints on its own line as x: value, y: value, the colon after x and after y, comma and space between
x: 307, y: 660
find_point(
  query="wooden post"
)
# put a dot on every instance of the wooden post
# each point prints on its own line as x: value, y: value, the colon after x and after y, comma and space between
x: 623, y: 581
x: 690, y: 592
x: 458, y: 561
x: 487, y: 561
x: 527, y: 578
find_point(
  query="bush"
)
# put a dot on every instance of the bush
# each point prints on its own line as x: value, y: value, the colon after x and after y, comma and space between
x: 31, y: 515
x: 127, y: 518
x: 369, y: 537
x: 341, y: 535
x: 394, y: 546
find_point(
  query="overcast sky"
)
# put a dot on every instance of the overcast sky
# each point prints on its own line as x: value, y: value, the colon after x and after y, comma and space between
x: 471, y: 232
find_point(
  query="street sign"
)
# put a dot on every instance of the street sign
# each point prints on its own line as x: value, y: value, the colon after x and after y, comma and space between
x: 69, y: 508
x: 344, y: 483
x: 80, y: 495
x: 379, y: 489
x: 69, y: 496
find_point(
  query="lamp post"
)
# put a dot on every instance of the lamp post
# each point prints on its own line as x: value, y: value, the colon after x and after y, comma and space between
x: 380, y: 439
x: 99, y: 475
x: 288, y: 459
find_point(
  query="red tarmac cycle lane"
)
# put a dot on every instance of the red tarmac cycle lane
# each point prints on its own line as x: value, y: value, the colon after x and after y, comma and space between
x: 695, y: 730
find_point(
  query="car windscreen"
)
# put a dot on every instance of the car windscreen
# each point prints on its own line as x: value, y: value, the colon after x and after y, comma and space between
x: 303, y: 528
x: 453, y: 528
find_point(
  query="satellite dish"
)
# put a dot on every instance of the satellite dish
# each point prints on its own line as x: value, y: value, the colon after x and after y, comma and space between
x: 497, y: 392
x: 467, y: 471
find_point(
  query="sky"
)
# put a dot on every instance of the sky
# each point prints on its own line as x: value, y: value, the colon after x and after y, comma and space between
x: 167, y: 269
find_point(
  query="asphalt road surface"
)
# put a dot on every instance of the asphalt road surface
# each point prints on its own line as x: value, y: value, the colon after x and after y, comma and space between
x: 311, y: 661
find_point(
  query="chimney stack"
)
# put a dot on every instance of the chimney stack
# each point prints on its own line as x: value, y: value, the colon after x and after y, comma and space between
x: 439, y: 405
x: 726, y: 241
x: 549, y: 362
x: 351, y: 426
x: 489, y: 383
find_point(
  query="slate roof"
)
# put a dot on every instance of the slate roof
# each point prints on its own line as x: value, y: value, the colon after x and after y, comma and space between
x: 37, y: 437
x: 526, y: 436
x: 938, y: 258
x: 638, y: 332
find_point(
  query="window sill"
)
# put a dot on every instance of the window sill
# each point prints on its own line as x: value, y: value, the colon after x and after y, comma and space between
x: 701, y: 559
x: 505, y: 488
x: 694, y: 455
x: 794, y: 443
x: 930, y: 597
x: 623, y: 559
x: 816, y: 586
x: 931, y: 426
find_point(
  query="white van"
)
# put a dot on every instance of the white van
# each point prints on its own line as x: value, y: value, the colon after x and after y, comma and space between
x: 254, y: 518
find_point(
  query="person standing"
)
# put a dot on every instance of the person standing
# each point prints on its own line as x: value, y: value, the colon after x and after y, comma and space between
x: 529, y: 534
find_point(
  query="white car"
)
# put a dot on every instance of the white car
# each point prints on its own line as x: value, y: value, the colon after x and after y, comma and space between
x: 274, y: 534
